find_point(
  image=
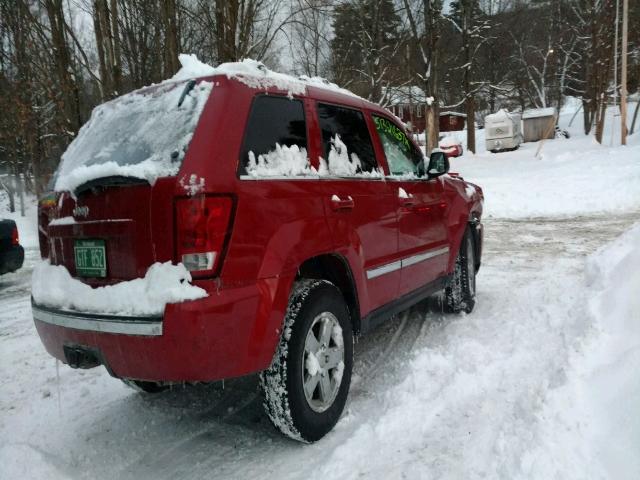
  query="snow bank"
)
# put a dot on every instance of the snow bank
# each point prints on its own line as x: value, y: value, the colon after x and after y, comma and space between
x: 53, y: 286
x: 143, y: 134
x: 253, y: 74
x: 450, y: 140
x: 612, y: 384
x: 590, y: 422
x: 572, y: 177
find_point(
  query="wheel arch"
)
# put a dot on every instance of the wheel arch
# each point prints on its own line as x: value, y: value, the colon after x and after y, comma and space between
x: 335, y: 268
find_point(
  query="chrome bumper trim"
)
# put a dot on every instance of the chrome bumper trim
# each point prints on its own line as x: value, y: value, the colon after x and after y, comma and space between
x: 148, y: 326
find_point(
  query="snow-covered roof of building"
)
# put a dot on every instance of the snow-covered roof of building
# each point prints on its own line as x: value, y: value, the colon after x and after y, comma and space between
x: 453, y: 114
x: 539, y: 112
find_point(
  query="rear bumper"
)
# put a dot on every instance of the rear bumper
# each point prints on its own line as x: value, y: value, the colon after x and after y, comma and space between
x: 11, y: 259
x: 232, y: 332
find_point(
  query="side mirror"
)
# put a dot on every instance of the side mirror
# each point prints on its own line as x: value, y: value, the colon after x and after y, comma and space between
x: 438, y: 164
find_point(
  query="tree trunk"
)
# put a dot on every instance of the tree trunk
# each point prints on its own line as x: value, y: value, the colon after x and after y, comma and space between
x: 117, y: 56
x: 471, y: 123
x: 602, y: 109
x: 586, y: 116
x: 98, y: 22
x: 170, y: 24
x: 20, y: 188
x: 7, y: 187
x: 431, y: 113
x: 635, y: 116
x: 69, y: 89
x: 468, y: 94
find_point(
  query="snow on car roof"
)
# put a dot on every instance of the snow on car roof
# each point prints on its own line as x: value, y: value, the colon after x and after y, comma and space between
x: 539, y: 112
x: 254, y: 74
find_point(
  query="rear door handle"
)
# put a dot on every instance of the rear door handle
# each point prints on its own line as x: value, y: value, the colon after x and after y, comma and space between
x: 338, y: 203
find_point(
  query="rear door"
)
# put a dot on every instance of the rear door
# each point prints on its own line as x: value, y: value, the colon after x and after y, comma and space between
x: 359, y: 204
x: 423, y: 239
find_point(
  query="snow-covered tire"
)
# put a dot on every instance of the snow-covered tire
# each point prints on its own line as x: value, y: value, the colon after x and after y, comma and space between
x: 146, y: 387
x: 317, y: 318
x: 460, y: 295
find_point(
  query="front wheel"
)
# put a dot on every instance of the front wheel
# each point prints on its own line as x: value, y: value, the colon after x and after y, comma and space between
x: 460, y: 295
x: 306, y: 386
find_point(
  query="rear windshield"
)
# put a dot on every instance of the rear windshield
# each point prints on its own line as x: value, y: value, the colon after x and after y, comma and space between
x: 143, y: 134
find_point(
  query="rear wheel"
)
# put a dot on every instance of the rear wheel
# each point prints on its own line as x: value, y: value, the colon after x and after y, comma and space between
x: 460, y: 295
x: 306, y: 386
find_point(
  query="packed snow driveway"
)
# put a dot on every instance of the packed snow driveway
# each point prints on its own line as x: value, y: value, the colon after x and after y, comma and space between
x: 433, y: 395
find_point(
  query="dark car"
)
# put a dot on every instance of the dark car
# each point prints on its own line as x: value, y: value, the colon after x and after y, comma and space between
x: 11, y: 253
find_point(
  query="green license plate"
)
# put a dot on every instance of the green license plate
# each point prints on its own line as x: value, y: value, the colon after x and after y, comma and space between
x: 91, y: 258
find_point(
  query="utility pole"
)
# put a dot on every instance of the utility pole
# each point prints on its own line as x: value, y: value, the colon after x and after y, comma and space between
x: 615, y: 70
x: 623, y: 86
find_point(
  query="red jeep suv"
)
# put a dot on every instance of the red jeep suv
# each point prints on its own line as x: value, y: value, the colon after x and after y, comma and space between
x: 223, y: 226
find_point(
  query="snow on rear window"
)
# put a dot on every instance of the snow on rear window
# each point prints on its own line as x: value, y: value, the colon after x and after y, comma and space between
x: 143, y: 134
x: 282, y: 161
x: 341, y: 163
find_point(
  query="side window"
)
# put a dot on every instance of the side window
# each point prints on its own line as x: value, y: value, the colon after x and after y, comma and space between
x: 346, y: 142
x: 275, y: 123
x: 403, y: 158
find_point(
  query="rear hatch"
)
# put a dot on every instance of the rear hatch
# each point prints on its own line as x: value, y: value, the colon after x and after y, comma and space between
x: 110, y: 233
x: 116, y: 184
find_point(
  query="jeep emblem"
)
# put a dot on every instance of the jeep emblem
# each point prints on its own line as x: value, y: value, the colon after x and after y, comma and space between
x: 79, y: 211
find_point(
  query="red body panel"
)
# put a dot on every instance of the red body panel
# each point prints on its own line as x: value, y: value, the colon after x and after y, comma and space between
x: 276, y: 225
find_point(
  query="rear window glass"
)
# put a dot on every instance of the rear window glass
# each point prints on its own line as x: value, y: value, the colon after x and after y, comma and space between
x: 276, y: 138
x: 345, y: 128
x: 142, y: 134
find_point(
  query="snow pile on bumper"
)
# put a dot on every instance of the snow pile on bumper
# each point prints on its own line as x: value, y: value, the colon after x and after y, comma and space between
x: 164, y: 283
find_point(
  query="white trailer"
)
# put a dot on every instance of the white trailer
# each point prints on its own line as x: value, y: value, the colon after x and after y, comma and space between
x: 502, y: 131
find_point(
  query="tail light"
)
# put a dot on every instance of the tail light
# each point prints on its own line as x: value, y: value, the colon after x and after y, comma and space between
x: 202, y: 223
x: 15, y: 240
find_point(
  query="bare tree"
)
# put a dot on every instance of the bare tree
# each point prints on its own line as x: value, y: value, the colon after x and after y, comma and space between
x: 469, y: 21
x: 171, y: 43
x: 309, y: 40
x: 70, y: 95
x: 424, y: 21
x: 106, y: 28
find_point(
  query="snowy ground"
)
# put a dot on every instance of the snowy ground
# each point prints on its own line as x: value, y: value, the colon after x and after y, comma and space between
x: 540, y: 381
